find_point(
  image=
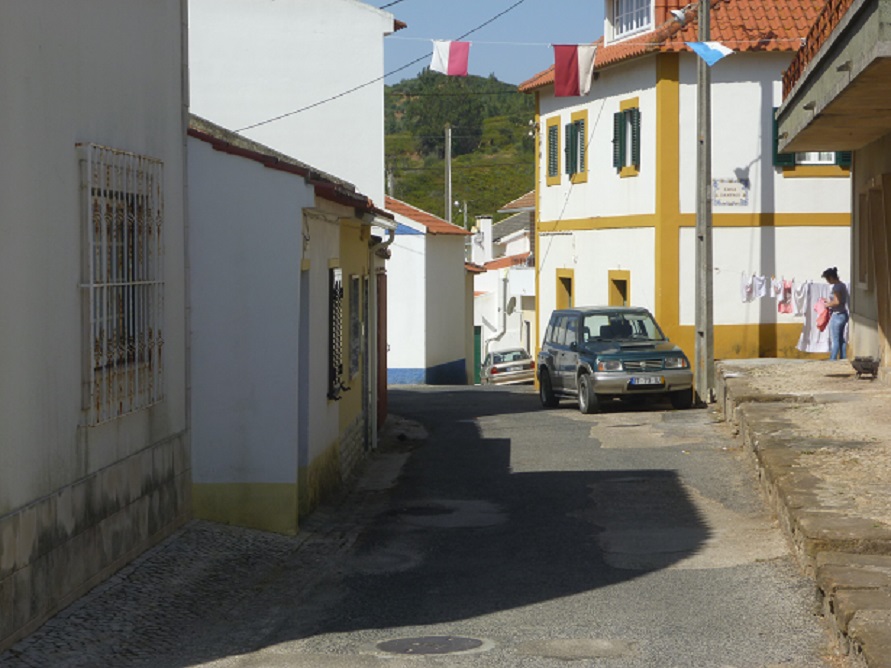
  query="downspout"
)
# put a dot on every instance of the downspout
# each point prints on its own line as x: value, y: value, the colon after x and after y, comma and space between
x: 381, y: 250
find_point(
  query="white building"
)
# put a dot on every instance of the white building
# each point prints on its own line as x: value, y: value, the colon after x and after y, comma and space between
x: 94, y: 461
x: 315, y: 66
x: 616, y: 187
x: 284, y: 331
x: 429, y: 311
x: 504, y: 292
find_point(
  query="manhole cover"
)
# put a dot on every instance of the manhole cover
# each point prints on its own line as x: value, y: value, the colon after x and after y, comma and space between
x: 430, y: 645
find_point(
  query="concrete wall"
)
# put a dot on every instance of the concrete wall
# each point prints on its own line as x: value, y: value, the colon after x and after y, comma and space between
x: 77, y: 502
x: 407, y: 307
x: 246, y: 233
x: 446, y: 301
x: 252, y: 60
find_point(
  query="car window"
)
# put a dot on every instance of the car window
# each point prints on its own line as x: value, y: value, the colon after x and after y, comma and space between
x: 621, y: 326
x: 572, y: 331
x: 549, y: 332
x: 559, y: 330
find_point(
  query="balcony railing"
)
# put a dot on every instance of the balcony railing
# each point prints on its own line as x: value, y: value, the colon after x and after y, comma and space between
x: 817, y: 36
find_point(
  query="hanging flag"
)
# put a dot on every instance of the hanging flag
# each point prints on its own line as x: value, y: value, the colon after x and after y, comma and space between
x: 573, y: 68
x: 450, y: 58
x: 710, y: 52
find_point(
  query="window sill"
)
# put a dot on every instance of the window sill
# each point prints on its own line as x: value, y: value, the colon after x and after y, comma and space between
x: 581, y: 177
x: 628, y: 171
x: 815, y: 171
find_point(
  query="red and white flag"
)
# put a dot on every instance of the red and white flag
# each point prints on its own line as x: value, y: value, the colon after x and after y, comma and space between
x: 450, y: 58
x: 573, y: 68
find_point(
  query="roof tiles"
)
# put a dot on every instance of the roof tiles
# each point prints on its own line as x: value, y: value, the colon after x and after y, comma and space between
x: 434, y: 224
x: 742, y: 25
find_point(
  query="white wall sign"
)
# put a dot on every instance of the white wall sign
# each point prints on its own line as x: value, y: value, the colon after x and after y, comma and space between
x: 730, y: 192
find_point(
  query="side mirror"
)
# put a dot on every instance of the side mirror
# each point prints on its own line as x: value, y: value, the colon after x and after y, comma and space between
x: 573, y: 346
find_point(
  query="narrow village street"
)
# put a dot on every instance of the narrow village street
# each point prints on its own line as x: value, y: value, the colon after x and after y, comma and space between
x: 487, y: 532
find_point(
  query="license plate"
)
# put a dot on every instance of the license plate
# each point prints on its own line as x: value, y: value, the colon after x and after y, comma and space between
x: 514, y: 368
x: 647, y: 380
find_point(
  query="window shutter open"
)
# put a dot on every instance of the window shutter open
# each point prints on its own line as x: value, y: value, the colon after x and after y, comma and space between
x: 635, y: 137
x: 571, y: 149
x: 619, y: 140
x: 580, y: 138
x: 553, y: 158
x: 843, y: 158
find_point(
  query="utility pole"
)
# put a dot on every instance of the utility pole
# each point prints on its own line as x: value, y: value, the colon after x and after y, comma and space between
x: 705, y: 344
x: 448, y: 172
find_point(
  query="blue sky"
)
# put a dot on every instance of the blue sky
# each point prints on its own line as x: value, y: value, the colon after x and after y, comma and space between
x: 514, y: 47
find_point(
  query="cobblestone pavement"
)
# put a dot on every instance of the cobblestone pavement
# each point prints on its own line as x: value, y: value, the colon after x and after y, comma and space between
x: 193, y: 585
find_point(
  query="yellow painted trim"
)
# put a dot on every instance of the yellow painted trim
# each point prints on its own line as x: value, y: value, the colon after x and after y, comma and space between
x: 600, y: 223
x: 668, y: 199
x: 747, y: 341
x: 320, y: 480
x: 255, y: 505
x: 305, y: 264
x: 553, y: 121
x: 719, y: 220
x: 564, y: 300
x: 631, y: 103
x: 816, y: 171
x: 613, y: 276
x: 333, y: 263
x: 628, y: 171
x: 536, y: 248
x: 582, y: 176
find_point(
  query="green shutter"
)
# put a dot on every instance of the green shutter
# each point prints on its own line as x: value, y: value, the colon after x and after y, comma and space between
x: 553, y: 159
x: 635, y: 136
x: 581, y: 139
x: 843, y: 158
x: 619, y: 140
x: 780, y: 159
x: 570, y: 149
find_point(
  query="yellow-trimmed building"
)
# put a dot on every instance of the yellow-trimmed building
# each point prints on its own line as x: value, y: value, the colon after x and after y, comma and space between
x: 616, y: 176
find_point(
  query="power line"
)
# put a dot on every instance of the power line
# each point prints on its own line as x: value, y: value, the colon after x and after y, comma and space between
x: 375, y: 80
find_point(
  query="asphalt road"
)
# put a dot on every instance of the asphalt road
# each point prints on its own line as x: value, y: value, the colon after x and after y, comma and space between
x: 505, y: 535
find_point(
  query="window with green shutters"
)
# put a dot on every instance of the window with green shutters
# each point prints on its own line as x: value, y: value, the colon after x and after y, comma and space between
x: 839, y: 158
x: 626, y: 138
x: 553, y: 148
x: 575, y: 147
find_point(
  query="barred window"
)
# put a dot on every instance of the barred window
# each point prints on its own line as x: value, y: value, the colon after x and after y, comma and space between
x: 335, y: 340
x: 123, y: 286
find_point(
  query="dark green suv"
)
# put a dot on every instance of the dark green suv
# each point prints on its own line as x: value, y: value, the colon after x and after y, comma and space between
x: 604, y: 352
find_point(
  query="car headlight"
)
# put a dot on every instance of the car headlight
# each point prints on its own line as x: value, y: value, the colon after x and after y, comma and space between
x: 676, y: 363
x: 609, y: 365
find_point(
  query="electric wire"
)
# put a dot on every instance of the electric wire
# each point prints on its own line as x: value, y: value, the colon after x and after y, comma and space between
x: 375, y: 80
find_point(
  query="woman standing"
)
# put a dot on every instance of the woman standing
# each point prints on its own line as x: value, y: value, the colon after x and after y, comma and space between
x: 837, y: 305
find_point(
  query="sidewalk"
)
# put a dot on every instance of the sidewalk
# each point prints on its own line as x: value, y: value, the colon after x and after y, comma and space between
x: 821, y: 440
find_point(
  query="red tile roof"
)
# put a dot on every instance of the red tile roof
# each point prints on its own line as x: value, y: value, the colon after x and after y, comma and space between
x: 524, y: 203
x: 509, y: 261
x: 433, y: 224
x: 742, y: 25
x: 474, y: 269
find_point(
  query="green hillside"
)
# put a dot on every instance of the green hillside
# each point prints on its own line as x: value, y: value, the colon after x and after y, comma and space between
x: 492, y: 151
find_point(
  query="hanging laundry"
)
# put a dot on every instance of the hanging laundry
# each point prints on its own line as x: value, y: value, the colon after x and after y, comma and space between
x: 812, y: 339
x: 776, y: 287
x: 746, y: 288
x: 759, y: 286
x: 784, y: 297
x: 799, y: 298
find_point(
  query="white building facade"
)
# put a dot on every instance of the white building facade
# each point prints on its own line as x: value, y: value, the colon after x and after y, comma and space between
x: 616, y: 187
x: 94, y: 466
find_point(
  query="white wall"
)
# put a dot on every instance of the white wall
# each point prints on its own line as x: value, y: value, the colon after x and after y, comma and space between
x: 407, y: 302
x: 790, y: 253
x: 246, y: 240
x: 252, y: 60
x: 446, y: 295
x: 67, y: 78
x: 605, y: 193
x: 743, y: 97
x: 591, y: 255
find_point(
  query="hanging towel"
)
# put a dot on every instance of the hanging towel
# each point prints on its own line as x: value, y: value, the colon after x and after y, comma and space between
x: 799, y: 298
x: 759, y: 286
x: 746, y: 288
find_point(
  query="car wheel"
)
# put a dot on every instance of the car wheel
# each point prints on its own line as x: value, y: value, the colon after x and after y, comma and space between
x: 545, y: 391
x: 682, y: 399
x: 588, y: 402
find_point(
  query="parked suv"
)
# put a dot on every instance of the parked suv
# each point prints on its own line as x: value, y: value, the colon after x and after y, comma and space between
x: 603, y: 352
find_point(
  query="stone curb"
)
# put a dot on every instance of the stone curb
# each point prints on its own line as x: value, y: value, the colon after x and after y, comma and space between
x: 848, y: 557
